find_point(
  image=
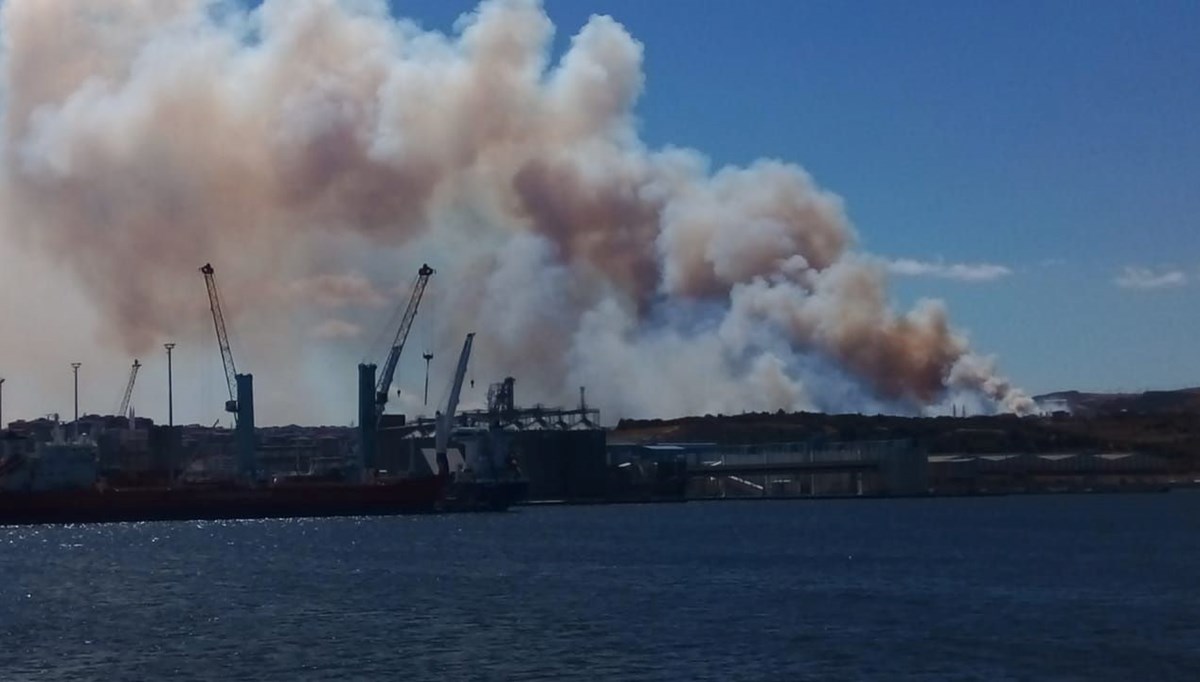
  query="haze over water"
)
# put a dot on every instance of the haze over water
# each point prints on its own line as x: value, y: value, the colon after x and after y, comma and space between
x: 1049, y: 588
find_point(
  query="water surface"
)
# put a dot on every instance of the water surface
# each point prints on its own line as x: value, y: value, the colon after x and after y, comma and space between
x: 1016, y: 588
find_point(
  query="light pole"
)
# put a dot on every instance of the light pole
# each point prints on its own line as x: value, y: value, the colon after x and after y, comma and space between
x: 75, y: 367
x: 1, y: 403
x: 170, y: 390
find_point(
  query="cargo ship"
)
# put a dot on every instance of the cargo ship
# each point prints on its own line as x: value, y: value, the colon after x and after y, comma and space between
x: 59, y: 482
x: 98, y: 505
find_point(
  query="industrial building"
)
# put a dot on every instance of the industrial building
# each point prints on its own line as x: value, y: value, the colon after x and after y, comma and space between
x: 1042, y: 472
x: 777, y: 470
x: 561, y: 451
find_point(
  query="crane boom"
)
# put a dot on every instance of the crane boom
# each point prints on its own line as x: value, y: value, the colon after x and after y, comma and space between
x: 393, y: 358
x: 446, y: 419
x: 133, y: 371
x: 214, y: 303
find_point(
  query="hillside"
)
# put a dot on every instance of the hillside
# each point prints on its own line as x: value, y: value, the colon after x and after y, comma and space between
x: 1174, y: 434
x: 1078, y: 403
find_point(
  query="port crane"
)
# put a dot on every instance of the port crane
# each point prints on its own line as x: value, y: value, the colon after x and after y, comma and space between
x: 241, y: 387
x: 133, y: 372
x: 445, y: 421
x: 214, y: 303
x: 393, y: 358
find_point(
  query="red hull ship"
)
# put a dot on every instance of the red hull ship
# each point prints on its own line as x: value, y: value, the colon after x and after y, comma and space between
x: 408, y: 496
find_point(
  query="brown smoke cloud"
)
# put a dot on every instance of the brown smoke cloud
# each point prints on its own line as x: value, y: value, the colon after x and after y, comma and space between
x: 307, y: 141
x: 335, y: 291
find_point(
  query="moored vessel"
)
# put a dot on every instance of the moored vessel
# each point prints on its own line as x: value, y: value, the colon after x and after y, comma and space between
x: 221, y: 501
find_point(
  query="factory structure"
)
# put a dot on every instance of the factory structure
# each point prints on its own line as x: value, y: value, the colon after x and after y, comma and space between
x: 560, y: 451
x: 815, y: 468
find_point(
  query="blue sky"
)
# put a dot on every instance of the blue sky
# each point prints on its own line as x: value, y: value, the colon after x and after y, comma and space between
x: 1060, y: 140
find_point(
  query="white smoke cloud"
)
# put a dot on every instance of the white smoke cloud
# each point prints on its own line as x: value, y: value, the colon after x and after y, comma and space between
x: 962, y: 272
x: 1144, y: 279
x: 306, y: 139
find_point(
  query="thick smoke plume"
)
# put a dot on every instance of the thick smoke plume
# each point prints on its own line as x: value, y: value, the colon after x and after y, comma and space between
x: 318, y: 151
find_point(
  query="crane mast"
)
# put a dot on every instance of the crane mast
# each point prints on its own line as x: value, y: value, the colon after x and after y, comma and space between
x: 214, y: 303
x: 393, y: 358
x: 446, y: 419
x: 133, y: 371
x: 241, y: 390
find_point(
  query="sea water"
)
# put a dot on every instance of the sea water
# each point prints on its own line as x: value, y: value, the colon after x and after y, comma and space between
x: 1078, y: 587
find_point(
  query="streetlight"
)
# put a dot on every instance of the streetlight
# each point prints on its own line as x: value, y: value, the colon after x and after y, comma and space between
x: 170, y: 395
x: 1, y: 403
x: 75, y: 367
